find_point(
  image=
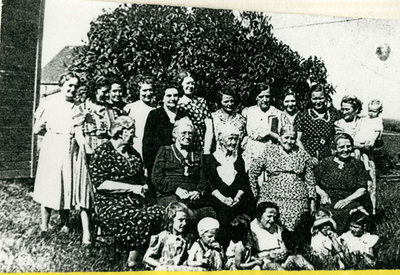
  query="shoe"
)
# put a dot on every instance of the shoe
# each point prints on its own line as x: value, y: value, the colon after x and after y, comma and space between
x: 44, y: 234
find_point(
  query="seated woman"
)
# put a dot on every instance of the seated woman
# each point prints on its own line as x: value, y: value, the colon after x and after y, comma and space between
x: 342, y: 180
x: 178, y: 170
x: 229, y: 185
x: 117, y: 173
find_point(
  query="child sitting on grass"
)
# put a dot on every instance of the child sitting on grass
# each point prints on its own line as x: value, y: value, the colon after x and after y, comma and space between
x: 269, y: 243
x: 206, y: 252
x: 357, y: 240
x: 240, y: 254
x: 325, y: 242
x: 168, y: 249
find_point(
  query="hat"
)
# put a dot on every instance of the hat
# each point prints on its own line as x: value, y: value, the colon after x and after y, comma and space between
x: 322, y: 221
x: 207, y: 224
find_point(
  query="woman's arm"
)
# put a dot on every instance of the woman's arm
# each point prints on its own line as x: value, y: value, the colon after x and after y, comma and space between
x: 344, y: 202
x: 208, y: 136
x: 153, y: 253
x: 195, y: 256
x: 256, y: 168
x: 121, y: 187
x: 298, y: 140
x: 158, y: 174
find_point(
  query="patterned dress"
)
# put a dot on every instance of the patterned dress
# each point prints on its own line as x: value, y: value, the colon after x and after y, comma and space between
x: 317, y: 133
x: 126, y: 215
x: 197, y: 111
x: 221, y: 118
x: 290, y: 182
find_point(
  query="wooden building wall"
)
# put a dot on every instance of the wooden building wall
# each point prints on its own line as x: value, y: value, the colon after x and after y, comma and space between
x: 20, y: 39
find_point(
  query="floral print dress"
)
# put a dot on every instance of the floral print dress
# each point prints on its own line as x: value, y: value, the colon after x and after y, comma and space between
x: 290, y: 182
x: 197, y: 111
x: 126, y: 215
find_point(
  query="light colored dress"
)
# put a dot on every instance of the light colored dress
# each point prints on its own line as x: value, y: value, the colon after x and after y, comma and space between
x: 139, y: 111
x: 265, y: 242
x: 220, y: 118
x: 259, y: 123
x: 200, y: 252
x: 361, y: 244
x: 289, y: 182
x: 53, y: 183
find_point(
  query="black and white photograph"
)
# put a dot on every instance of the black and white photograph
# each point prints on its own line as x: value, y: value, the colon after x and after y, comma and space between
x: 138, y: 137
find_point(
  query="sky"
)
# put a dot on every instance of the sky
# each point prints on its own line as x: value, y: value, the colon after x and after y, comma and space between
x: 346, y: 46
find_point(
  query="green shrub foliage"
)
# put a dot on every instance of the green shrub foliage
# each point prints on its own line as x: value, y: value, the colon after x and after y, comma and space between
x: 221, y: 49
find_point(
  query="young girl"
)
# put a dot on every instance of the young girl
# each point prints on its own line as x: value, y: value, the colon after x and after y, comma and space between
x: 239, y: 252
x: 168, y: 250
x: 325, y: 242
x: 368, y: 137
x: 206, y: 252
x: 357, y: 240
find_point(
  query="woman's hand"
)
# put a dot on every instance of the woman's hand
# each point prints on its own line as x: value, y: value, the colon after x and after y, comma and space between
x: 228, y: 201
x: 182, y: 193
x: 314, y: 161
x: 341, y: 204
x: 237, y: 198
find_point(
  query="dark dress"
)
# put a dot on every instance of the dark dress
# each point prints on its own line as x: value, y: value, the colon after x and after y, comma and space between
x: 171, y: 170
x: 157, y: 132
x: 340, y: 180
x: 317, y: 133
x: 246, y: 205
x: 127, y: 216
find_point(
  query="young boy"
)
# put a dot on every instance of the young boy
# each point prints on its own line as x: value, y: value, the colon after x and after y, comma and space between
x: 206, y: 252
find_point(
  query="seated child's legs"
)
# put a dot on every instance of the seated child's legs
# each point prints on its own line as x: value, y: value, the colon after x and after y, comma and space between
x: 297, y: 262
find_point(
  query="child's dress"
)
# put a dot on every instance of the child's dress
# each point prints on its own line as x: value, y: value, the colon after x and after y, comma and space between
x: 361, y: 244
x: 215, y: 257
x: 170, y: 249
x: 322, y: 245
x: 230, y: 254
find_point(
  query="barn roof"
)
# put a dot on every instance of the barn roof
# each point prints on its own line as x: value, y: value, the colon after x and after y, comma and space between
x: 58, y: 65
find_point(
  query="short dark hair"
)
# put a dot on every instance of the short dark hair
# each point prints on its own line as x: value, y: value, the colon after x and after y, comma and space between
x: 240, y: 227
x: 261, y: 207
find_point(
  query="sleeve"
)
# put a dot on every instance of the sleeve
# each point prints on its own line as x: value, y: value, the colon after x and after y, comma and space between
x: 371, y: 240
x: 361, y: 176
x: 40, y: 119
x: 150, y: 140
x: 256, y: 168
x: 195, y: 252
x: 319, y: 172
x: 98, y: 168
x: 309, y: 177
x: 155, y: 247
x: 206, y: 110
x: 158, y: 174
x: 298, y: 122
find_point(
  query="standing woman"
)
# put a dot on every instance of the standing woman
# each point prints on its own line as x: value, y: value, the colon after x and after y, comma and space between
x: 290, y: 183
x: 53, y: 183
x: 227, y: 114
x: 289, y: 104
x: 263, y: 124
x: 196, y: 109
x: 140, y: 109
x: 159, y: 126
x: 315, y: 126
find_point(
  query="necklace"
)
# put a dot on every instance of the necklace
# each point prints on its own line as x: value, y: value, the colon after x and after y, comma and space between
x: 186, y: 162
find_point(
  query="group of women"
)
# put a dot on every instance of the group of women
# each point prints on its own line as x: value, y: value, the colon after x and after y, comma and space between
x: 129, y: 161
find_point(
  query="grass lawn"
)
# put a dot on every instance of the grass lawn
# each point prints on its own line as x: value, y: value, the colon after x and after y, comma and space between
x: 22, y: 250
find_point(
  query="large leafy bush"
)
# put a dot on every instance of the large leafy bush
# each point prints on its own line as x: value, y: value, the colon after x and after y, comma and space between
x: 219, y: 48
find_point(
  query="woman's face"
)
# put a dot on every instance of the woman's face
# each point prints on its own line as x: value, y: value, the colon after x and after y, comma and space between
x: 69, y: 88
x: 146, y: 93
x: 188, y: 85
x: 318, y: 100
x: 102, y: 93
x: 263, y: 100
x: 290, y: 104
x: 288, y: 140
x: 116, y: 92
x: 268, y: 218
x: 170, y: 98
x: 127, y: 136
x: 229, y: 141
x: 348, y: 111
x: 343, y: 148
x: 228, y: 103
x: 179, y: 222
x: 184, y: 135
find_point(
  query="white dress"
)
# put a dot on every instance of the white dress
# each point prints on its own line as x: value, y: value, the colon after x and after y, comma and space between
x: 53, y: 183
x: 139, y: 111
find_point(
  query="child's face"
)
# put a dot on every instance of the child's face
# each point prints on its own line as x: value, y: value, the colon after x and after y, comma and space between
x: 179, y: 222
x: 356, y: 229
x: 326, y: 229
x: 208, y: 237
x: 373, y: 111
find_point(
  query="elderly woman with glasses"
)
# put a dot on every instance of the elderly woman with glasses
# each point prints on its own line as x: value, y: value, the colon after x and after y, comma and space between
x: 117, y: 173
x: 178, y: 173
